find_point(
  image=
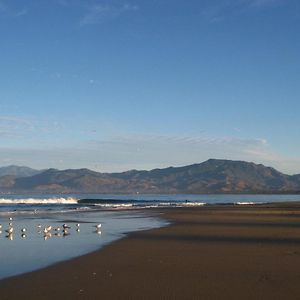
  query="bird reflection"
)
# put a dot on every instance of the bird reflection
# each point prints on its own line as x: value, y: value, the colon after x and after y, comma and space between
x: 10, y: 236
x: 47, y: 236
x: 46, y: 231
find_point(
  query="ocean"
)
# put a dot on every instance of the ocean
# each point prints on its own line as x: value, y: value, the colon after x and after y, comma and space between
x: 27, y: 243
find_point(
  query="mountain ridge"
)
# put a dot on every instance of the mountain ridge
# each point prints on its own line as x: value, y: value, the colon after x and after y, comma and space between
x: 18, y: 171
x: 214, y: 176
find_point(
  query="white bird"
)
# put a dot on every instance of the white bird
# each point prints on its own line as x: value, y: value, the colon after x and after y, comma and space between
x: 78, y: 225
x: 57, y: 229
x: 23, y: 236
x: 10, y: 230
x: 98, y: 226
x: 39, y: 226
x: 10, y: 224
x: 23, y: 230
x: 49, y: 228
x: 10, y: 219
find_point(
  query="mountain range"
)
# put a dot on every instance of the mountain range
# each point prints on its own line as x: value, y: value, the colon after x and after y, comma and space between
x: 212, y: 176
x: 18, y: 171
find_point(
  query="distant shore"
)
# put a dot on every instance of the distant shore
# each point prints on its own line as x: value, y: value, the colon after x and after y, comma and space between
x: 209, y: 252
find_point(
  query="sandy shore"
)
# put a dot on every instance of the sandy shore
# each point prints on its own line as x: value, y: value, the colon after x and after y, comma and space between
x: 216, y: 252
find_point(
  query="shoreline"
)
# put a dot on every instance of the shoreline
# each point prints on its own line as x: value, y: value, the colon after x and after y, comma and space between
x: 208, y: 252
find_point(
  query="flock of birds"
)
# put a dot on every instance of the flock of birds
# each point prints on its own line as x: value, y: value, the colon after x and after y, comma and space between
x: 47, y: 231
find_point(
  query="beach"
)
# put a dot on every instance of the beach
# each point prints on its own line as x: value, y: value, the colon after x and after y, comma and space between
x: 209, y: 252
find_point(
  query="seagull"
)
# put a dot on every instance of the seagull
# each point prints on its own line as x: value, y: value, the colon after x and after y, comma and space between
x: 10, y: 230
x: 65, y: 226
x: 23, y: 236
x: 78, y: 225
x: 10, y: 224
x: 10, y: 219
x: 98, y: 226
x: 23, y: 230
x: 49, y: 228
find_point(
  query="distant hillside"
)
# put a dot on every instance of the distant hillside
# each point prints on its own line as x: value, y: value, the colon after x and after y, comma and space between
x: 212, y: 176
x: 17, y: 171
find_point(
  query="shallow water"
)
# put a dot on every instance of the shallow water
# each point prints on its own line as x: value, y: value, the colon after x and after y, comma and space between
x: 118, y: 214
x: 37, y: 250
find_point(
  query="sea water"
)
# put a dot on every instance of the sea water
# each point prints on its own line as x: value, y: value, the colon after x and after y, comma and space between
x: 118, y: 215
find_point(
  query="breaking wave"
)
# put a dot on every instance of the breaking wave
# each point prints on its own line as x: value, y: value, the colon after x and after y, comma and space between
x: 53, y: 200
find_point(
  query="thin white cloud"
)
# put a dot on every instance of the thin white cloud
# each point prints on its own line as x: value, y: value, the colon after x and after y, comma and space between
x: 7, y: 11
x: 218, y: 11
x: 21, y: 13
x: 148, y: 152
x: 262, y: 3
x: 2, y: 7
x: 104, y: 12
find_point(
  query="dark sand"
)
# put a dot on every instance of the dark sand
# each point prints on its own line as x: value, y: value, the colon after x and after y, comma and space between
x: 221, y: 252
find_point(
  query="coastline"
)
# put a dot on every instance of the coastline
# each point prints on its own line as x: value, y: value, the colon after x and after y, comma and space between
x: 208, y: 252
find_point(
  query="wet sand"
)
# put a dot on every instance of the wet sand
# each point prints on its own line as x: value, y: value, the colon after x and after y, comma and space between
x: 211, y: 252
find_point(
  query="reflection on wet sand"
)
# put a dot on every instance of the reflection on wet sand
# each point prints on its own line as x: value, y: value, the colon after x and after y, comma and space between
x: 47, y: 231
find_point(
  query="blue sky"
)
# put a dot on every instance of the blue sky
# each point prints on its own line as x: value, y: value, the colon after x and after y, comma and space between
x: 122, y: 84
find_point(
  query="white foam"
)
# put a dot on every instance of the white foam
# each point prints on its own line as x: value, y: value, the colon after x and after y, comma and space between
x: 112, y: 205
x: 193, y: 204
x: 54, y: 200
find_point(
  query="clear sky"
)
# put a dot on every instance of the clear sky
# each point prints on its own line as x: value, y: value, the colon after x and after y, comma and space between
x: 123, y: 84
